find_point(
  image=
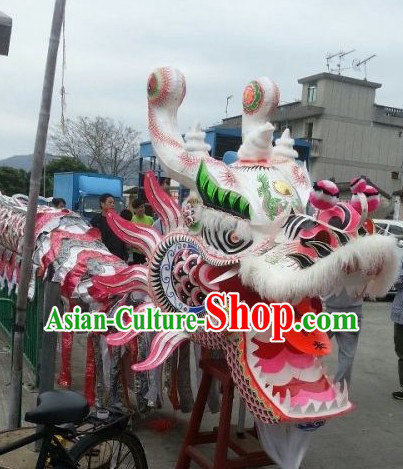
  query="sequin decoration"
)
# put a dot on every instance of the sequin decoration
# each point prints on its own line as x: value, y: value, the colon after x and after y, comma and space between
x: 253, y: 97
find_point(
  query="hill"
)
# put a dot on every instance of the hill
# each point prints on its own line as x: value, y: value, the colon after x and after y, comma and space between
x: 23, y: 161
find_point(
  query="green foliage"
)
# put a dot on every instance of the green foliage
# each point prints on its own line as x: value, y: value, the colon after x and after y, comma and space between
x: 13, y: 181
x: 65, y: 164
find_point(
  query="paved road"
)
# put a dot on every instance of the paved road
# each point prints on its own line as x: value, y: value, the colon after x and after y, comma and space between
x: 370, y: 438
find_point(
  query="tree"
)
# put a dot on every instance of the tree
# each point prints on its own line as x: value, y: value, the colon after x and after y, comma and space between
x: 100, y: 142
x: 65, y: 164
x: 13, y: 181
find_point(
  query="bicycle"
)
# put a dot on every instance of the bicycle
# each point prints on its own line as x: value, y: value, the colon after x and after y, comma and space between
x: 91, y: 440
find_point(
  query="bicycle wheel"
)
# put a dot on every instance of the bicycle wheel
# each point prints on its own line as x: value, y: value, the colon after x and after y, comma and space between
x: 109, y: 449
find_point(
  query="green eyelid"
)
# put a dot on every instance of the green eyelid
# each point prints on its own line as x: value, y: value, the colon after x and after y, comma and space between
x: 217, y: 197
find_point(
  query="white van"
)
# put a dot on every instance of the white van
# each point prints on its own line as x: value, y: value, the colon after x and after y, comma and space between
x: 390, y: 227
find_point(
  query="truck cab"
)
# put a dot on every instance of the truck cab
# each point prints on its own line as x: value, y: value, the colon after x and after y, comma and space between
x: 81, y: 191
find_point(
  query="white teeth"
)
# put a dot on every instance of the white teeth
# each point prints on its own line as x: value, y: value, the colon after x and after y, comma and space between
x: 337, y: 388
x: 317, y: 405
x: 263, y: 336
x: 305, y: 406
x: 334, y: 405
x: 310, y: 408
x: 269, y: 390
x: 345, y: 387
x: 287, y: 401
x: 254, y: 361
x: 297, y: 410
x: 276, y: 399
x: 342, y: 398
x: 253, y: 347
x: 329, y: 404
x: 313, y: 407
x: 252, y: 358
x: 323, y: 407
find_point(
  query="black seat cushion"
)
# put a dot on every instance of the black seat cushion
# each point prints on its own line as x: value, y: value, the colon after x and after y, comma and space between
x: 57, y: 407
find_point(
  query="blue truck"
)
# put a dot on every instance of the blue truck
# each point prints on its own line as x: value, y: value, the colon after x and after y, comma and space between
x: 81, y: 191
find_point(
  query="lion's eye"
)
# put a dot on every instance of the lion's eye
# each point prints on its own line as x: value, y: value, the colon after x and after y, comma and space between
x: 233, y: 238
x: 225, y: 241
x: 282, y: 188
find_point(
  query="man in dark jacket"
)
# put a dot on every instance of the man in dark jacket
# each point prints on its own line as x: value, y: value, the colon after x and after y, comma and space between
x: 115, y: 245
x: 397, y: 318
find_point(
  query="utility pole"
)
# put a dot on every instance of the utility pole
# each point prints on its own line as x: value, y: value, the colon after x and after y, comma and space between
x: 226, y: 107
x: 29, y: 233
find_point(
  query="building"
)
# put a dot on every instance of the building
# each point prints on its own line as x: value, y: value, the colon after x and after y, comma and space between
x: 349, y: 134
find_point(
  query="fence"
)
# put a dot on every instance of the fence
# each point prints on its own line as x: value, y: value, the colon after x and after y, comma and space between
x: 34, y: 322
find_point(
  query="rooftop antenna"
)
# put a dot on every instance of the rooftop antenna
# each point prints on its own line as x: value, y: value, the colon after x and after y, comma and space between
x: 329, y: 57
x: 341, y: 56
x: 358, y: 63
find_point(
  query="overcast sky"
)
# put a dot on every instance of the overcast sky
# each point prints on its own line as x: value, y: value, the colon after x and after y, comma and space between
x: 111, y: 47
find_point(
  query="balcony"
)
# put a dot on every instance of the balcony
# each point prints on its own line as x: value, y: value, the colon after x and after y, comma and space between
x: 388, y: 115
x: 316, y: 146
x: 295, y: 111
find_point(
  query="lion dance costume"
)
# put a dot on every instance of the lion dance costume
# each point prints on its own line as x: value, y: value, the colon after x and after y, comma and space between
x: 244, y: 228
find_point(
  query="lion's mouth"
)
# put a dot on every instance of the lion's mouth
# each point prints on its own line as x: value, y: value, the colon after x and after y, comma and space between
x: 294, y: 382
x: 289, y: 377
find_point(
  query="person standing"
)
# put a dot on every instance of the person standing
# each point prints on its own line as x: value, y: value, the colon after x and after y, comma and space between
x: 140, y: 213
x: 140, y: 217
x: 397, y: 318
x: 115, y: 245
x: 347, y: 341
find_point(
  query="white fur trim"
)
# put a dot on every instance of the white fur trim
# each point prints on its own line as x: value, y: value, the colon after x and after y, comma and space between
x: 281, y: 282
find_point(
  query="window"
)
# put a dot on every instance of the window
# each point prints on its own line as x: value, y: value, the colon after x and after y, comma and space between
x: 395, y: 175
x: 381, y: 228
x: 396, y: 231
x: 282, y: 125
x: 311, y: 97
x: 308, y: 130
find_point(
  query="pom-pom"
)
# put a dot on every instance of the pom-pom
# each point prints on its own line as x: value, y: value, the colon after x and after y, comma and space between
x: 358, y: 185
x: 325, y: 195
x: 373, y: 198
